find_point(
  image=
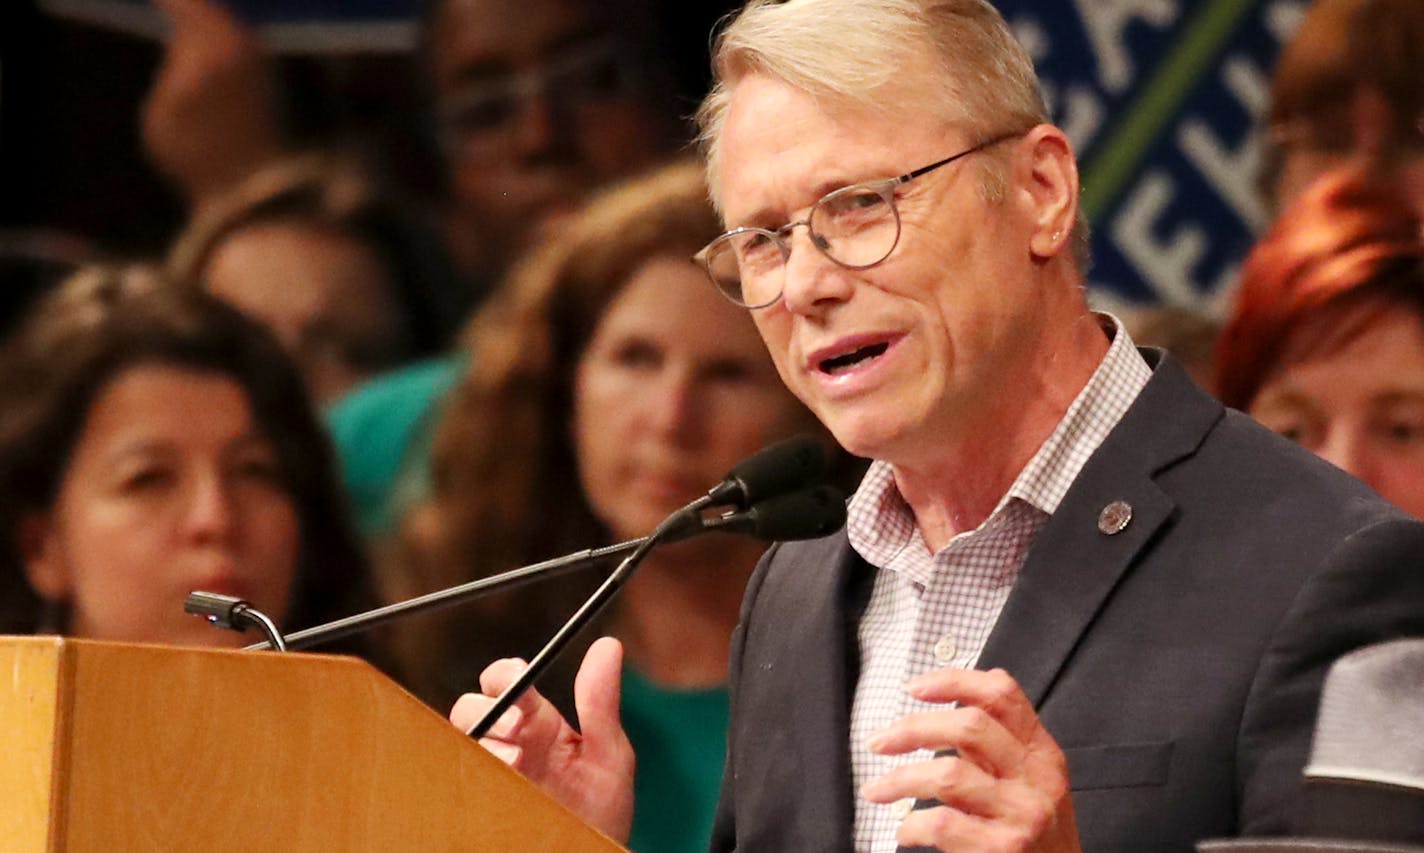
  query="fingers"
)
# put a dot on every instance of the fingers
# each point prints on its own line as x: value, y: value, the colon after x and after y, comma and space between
x: 976, y: 811
x: 531, y: 726
x: 590, y: 772
x: 950, y: 780
x: 210, y: 117
x: 468, y: 710
x: 968, y: 730
x: 531, y: 721
x: 1005, y: 786
x: 948, y: 829
x: 598, y: 688
x: 597, y: 694
x: 500, y: 740
x: 530, y: 718
x: 500, y: 674
x: 994, y: 691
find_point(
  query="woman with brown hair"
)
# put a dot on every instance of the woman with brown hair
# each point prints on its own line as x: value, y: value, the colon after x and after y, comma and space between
x: 1326, y: 341
x: 154, y: 441
x: 350, y: 277
x: 609, y: 386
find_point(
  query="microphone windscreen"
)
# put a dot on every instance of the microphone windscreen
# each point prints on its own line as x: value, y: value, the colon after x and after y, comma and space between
x: 806, y: 514
x: 782, y: 467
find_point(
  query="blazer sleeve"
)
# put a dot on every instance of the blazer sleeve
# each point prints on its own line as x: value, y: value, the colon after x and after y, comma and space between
x: 724, y: 824
x: 1370, y: 588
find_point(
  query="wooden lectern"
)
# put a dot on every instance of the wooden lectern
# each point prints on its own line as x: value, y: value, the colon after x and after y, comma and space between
x: 119, y: 747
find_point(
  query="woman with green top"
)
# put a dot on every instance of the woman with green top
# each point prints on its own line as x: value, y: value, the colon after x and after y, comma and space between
x: 607, y: 386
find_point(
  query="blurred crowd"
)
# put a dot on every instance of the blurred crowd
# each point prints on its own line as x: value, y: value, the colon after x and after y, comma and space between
x: 340, y: 386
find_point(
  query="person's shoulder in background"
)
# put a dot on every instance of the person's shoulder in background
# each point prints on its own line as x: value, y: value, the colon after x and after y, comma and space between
x: 381, y: 432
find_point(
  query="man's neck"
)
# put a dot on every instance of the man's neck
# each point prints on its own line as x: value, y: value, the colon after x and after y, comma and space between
x: 955, y: 489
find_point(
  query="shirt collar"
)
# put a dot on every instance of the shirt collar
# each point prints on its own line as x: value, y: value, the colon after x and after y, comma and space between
x: 878, y: 513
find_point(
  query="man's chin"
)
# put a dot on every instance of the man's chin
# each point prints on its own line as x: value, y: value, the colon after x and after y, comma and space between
x: 864, y: 436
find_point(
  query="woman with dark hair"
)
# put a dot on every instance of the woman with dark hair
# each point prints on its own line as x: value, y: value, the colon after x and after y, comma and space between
x: 1326, y: 342
x: 352, y: 279
x: 607, y: 387
x: 154, y: 441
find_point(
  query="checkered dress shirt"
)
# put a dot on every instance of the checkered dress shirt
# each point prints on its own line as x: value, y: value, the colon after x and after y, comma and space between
x: 932, y: 610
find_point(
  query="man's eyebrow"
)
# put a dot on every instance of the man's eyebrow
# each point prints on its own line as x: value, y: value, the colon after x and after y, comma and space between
x: 770, y: 218
x: 838, y: 182
x: 763, y: 217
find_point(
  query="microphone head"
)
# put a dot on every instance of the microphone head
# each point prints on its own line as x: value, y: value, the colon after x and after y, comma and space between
x: 806, y: 514
x: 778, y: 468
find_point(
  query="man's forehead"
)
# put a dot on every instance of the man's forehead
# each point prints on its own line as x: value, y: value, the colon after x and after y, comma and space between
x: 784, y: 148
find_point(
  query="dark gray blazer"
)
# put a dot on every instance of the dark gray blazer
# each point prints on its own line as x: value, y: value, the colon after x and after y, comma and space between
x: 1177, y: 662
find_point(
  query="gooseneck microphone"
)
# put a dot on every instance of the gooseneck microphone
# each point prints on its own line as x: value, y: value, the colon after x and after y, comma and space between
x: 231, y: 612
x: 775, y: 469
x: 805, y: 514
x: 767, y: 492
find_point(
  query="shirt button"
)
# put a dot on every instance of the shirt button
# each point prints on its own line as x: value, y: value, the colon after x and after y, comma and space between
x: 945, y: 649
x: 901, y: 808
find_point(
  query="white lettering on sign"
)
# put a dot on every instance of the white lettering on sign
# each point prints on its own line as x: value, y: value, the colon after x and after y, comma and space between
x: 1106, y: 22
x: 1166, y: 265
x: 1232, y: 171
x: 1082, y: 116
x: 1080, y: 113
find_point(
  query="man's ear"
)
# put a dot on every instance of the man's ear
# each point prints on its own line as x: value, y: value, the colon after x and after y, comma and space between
x: 45, y: 566
x: 1049, y: 188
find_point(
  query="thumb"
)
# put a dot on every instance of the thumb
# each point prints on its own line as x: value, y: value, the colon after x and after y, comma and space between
x: 597, y: 692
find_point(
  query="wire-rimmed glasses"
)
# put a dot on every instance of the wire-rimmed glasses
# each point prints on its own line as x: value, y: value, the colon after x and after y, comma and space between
x: 856, y: 227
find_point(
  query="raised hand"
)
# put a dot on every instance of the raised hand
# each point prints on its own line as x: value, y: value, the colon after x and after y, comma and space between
x: 589, y: 771
x: 211, y: 116
x: 1005, y: 789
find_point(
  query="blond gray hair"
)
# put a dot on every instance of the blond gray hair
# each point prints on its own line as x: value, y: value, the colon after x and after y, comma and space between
x: 854, y: 53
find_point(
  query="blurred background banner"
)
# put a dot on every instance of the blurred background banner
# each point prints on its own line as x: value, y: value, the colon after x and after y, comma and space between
x: 1163, y: 100
x: 298, y: 26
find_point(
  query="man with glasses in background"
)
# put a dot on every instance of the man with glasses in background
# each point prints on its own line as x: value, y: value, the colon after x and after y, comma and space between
x: 1078, y: 604
x: 535, y: 103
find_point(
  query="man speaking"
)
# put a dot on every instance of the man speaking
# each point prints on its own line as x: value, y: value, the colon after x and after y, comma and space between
x: 1077, y: 604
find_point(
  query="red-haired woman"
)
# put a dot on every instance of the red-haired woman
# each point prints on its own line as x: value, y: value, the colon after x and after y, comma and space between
x: 1326, y: 343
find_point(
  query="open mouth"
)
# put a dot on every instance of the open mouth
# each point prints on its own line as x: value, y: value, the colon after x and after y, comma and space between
x: 842, y: 363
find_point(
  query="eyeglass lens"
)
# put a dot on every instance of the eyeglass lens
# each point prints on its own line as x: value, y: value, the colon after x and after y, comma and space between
x: 855, y: 227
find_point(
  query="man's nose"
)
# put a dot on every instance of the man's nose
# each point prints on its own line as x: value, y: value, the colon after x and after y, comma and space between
x: 812, y: 279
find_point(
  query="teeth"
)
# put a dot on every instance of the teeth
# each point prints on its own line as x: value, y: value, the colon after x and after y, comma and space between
x: 841, y: 362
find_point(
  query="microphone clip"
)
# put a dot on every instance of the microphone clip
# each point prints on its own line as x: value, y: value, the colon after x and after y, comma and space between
x: 234, y: 614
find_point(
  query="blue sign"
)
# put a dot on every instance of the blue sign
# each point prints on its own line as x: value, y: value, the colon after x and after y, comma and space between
x: 1163, y: 100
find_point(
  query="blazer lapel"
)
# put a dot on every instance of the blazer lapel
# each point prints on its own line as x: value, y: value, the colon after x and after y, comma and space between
x: 1106, y: 520
x: 1075, y: 563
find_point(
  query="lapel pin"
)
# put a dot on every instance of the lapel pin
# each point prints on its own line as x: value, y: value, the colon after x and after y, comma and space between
x: 1115, y: 517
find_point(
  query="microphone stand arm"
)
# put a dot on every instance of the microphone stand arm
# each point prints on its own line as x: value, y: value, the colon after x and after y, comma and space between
x: 680, y: 525
x: 453, y: 595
